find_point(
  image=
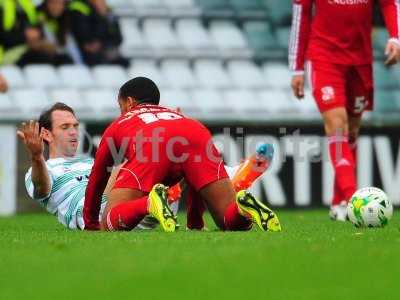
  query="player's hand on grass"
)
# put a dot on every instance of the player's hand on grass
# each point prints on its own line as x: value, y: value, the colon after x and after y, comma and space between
x: 298, y: 86
x: 392, y: 52
x: 32, y: 138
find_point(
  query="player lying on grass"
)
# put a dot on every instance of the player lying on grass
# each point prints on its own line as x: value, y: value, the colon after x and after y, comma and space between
x: 59, y: 183
x: 163, y: 146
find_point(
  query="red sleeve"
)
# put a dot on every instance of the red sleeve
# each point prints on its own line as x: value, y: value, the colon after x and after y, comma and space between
x: 391, y: 13
x: 299, y: 35
x: 98, y: 181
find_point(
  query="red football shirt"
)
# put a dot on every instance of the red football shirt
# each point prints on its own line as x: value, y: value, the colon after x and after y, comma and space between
x: 337, y: 31
x: 117, y: 138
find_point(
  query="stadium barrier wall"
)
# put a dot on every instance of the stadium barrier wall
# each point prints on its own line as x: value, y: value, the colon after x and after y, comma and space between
x: 8, y: 174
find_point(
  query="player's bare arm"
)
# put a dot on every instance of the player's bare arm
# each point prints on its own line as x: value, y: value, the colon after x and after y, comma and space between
x: 33, y: 140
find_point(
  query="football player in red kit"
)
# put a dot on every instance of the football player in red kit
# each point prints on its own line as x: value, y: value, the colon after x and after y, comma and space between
x: 332, y: 39
x: 162, y: 146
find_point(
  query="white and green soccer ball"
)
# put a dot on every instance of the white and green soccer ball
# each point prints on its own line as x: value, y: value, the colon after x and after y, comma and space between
x: 369, y: 207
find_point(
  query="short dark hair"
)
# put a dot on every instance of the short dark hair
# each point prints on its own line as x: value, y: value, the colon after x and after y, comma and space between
x: 45, y: 119
x: 143, y: 89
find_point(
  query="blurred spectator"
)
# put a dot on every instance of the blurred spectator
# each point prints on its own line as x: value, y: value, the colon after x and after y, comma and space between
x: 21, y: 38
x: 55, y: 22
x: 3, y: 84
x: 97, y: 32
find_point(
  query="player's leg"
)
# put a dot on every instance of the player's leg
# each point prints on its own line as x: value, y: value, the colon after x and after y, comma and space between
x: 328, y: 82
x: 129, y: 201
x: 204, y: 171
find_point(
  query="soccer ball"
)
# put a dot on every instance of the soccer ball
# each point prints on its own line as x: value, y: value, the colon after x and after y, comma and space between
x: 369, y: 207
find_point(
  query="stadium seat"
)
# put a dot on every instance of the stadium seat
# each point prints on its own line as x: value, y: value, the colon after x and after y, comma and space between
x: 42, y: 76
x: 178, y: 98
x: 182, y: 8
x: 306, y: 105
x: 162, y: 38
x: 103, y: 102
x: 216, y: 7
x: 244, y: 102
x: 73, y: 98
x: 147, y: 68
x: 249, y: 8
x: 277, y: 75
x: 279, y: 14
x: 195, y: 38
x: 14, y: 76
x: 229, y: 39
x: 380, y: 37
x: 76, y: 76
x: 211, y: 73
x: 178, y: 73
x: 282, y: 37
x: 152, y: 8
x: 134, y: 44
x: 384, y: 77
x: 30, y: 101
x: 275, y: 101
x: 246, y: 74
x: 259, y: 36
x: 7, y: 108
x: 109, y: 76
x: 386, y: 101
x: 212, y: 104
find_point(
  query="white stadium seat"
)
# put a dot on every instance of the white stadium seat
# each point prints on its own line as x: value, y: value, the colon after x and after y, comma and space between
x: 182, y: 7
x: 212, y: 103
x: 134, y: 43
x: 42, y: 76
x: 7, y: 106
x: 149, y: 7
x: 243, y: 102
x: 306, y: 105
x: 147, y: 68
x: 178, y: 98
x: 71, y: 97
x: 161, y: 37
x: 246, y: 74
x: 195, y: 37
x: 76, y: 76
x: 229, y: 39
x: 14, y: 76
x: 30, y: 101
x: 275, y: 100
x: 211, y: 73
x: 103, y: 102
x: 277, y: 75
x: 178, y: 73
x: 109, y: 76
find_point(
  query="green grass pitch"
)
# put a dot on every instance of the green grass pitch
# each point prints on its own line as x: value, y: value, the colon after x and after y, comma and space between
x: 312, y: 258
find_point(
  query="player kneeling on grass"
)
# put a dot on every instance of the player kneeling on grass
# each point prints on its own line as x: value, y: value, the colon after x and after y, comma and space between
x: 162, y: 146
x: 59, y: 183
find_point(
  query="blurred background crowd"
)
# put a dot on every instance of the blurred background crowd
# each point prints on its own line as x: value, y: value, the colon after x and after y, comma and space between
x: 201, y: 53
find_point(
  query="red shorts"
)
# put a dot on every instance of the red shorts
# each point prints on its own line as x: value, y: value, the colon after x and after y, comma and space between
x: 336, y: 85
x: 184, y: 150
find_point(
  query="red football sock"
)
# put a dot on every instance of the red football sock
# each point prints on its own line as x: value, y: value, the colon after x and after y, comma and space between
x: 234, y: 221
x: 343, y: 164
x: 195, y: 210
x: 337, y: 193
x: 127, y: 215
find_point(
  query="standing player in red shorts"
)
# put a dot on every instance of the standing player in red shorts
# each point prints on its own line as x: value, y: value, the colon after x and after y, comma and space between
x: 333, y: 38
x: 162, y: 146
